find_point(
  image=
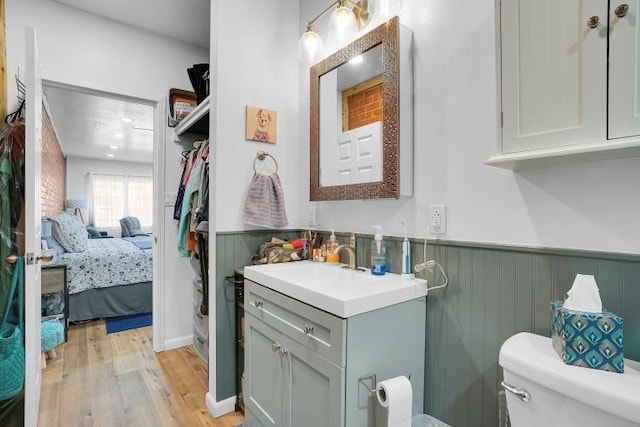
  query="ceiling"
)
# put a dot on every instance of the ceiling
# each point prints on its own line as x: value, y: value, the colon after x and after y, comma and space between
x: 86, y: 122
x: 184, y: 20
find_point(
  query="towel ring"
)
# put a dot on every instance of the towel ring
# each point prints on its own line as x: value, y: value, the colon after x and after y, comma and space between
x: 261, y: 156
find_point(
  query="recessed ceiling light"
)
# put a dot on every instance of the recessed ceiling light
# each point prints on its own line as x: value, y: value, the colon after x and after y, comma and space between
x: 118, y: 135
x: 110, y: 154
x: 113, y: 147
x: 126, y: 119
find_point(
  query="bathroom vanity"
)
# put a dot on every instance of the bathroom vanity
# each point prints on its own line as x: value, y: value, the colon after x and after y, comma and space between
x: 315, y: 333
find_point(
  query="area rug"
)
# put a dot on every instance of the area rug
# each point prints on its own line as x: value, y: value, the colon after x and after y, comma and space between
x: 124, y: 323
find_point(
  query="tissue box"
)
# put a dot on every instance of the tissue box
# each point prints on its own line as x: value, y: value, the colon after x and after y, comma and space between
x: 590, y: 340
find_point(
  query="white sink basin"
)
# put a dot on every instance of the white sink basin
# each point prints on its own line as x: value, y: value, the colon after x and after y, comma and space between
x: 334, y: 289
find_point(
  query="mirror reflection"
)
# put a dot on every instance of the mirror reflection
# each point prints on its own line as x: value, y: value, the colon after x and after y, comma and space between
x: 351, y: 120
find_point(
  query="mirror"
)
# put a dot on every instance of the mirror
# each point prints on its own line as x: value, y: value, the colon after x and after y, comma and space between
x: 355, y: 119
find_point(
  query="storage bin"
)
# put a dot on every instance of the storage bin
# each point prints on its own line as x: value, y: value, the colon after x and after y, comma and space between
x: 200, y: 322
x: 201, y: 345
x: 423, y: 420
x: 197, y: 292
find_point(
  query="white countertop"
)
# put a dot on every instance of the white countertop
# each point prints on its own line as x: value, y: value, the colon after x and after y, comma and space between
x: 336, y: 290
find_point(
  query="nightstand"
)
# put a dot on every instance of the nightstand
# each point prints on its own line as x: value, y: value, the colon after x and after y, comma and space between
x: 55, y: 295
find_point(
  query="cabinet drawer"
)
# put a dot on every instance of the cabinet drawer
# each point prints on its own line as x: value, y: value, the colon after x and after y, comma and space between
x: 52, y: 280
x: 316, y: 329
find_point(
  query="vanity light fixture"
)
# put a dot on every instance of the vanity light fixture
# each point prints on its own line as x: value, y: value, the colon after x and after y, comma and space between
x: 344, y: 24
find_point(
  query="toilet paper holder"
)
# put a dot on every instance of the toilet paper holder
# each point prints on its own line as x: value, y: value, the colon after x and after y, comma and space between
x: 374, y: 382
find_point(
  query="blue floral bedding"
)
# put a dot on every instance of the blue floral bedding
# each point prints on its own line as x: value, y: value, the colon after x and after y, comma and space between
x: 107, y: 262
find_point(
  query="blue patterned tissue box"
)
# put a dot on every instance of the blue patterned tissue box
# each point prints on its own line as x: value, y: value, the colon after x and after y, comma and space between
x: 590, y: 340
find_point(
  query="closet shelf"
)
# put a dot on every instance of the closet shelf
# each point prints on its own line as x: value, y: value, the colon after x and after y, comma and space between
x: 197, y: 121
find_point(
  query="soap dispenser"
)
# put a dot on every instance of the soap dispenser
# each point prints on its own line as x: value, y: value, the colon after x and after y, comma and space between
x: 331, y: 249
x: 378, y: 253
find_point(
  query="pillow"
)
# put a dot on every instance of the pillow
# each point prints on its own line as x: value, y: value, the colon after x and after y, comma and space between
x: 53, y: 244
x: 93, y: 232
x: 69, y: 232
x: 130, y: 225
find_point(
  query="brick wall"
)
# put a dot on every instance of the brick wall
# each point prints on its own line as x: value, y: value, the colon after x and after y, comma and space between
x: 365, y: 107
x: 54, y: 170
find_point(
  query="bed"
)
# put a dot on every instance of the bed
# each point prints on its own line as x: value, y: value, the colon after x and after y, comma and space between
x: 105, y: 277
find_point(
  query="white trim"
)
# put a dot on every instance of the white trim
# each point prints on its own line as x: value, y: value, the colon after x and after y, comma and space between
x: 159, y: 160
x: 178, y: 342
x: 218, y: 409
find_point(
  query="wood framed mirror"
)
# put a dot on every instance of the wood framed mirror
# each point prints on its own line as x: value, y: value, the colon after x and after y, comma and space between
x: 352, y: 158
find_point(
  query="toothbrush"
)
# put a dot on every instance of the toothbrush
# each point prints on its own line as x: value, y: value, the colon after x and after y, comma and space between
x: 406, y: 252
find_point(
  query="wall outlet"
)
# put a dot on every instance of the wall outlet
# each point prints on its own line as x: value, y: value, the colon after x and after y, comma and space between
x: 313, y: 215
x: 438, y: 219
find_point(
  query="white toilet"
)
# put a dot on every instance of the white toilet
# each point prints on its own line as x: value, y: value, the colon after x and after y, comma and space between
x: 542, y: 391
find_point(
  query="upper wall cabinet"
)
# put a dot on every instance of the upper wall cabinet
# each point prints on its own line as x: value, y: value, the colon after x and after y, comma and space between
x: 569, y: 81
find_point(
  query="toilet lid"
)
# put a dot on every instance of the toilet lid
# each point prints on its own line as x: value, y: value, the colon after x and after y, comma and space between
x: 532, y: 357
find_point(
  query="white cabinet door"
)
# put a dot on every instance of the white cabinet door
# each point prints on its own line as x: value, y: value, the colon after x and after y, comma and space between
x: 554, y: 71
x: 624, y: 70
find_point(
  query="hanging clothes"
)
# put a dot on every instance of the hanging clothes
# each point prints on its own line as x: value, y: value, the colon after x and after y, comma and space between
x: 12, y: 140
x: 186, y: 227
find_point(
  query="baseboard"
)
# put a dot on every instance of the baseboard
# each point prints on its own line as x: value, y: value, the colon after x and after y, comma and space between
x: 178, y: 342
x: 218, y: 409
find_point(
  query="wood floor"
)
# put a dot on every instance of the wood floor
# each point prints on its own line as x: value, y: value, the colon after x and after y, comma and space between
x: 117, y: 380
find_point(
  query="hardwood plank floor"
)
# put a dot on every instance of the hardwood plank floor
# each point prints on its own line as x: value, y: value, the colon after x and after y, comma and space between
x: 117, y: 380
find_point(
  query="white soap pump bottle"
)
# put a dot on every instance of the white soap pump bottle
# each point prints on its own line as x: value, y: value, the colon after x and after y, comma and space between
x: 378, y: 253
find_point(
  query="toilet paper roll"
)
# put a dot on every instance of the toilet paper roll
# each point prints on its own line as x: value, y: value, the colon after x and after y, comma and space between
x: 396, y: 395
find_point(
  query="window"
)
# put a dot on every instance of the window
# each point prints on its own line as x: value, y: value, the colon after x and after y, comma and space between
x: 117, y: 196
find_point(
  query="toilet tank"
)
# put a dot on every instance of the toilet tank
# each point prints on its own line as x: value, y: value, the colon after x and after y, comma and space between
x: 563, y: 395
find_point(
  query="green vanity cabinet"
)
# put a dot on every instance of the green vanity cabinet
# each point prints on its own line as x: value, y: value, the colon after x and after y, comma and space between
x: 303, y: 365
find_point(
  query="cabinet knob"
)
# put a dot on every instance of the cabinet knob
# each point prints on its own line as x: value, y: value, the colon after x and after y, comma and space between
x: 283, y: 351
x: 621, y: 11
x: 258, y: 304
x: 308, y: 329
x: 275, y: 347
x: 593, y: 22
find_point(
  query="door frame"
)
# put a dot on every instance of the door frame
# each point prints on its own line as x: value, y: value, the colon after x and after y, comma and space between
x: 159, y: 136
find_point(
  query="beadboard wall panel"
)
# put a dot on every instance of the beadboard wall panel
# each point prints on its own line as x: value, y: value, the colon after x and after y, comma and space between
x: 493, y: 293
x: 233, y: 250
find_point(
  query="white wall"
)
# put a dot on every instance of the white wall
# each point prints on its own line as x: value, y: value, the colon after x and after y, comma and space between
x: 256, y: 65
x: 81, y: 49
x: 590, y: 206
x: 85, y: 50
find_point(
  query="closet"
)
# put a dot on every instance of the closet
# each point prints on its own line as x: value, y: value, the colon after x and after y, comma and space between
x: 191, y: 211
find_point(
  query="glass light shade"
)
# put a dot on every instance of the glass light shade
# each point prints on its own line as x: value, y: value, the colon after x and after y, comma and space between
x: 385, y: 9
x: 342, y: 25
x: 310, y: 47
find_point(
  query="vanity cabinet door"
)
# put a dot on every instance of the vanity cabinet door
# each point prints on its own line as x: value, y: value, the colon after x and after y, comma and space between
x: 554, y: 73
x: 624, y: 69
x: 265, y: 373
x: 316, y: 389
